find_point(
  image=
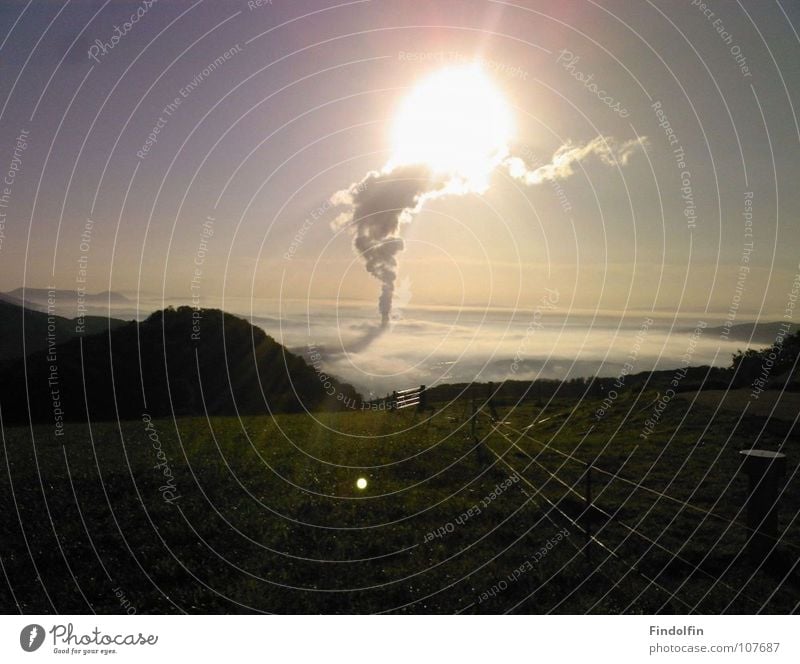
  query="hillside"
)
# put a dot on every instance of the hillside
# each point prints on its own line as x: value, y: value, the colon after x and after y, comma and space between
x: 754, y: 333
x: 178, y: 362
x: 40, y: 296
x: 16, y: 341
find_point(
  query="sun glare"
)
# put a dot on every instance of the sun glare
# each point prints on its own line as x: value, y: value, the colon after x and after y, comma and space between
x: 456, y: 123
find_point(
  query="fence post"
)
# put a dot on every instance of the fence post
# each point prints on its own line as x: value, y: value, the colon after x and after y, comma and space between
x: 588, y: 511
x: 765, y: 470
x: 472, y: 419
x: 483, y: 452
x: 491, y: 405
x: 423, y: 399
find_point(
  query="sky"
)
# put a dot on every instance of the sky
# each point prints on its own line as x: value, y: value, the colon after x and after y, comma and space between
x: 282, y: 104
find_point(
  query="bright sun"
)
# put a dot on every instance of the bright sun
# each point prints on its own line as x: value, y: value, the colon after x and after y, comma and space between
x: 456, y: 123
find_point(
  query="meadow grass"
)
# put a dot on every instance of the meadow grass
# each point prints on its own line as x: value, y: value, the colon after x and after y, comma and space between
x: 263, y: 514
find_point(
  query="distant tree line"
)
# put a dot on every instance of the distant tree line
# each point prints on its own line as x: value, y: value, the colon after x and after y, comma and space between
x: 773, y: 367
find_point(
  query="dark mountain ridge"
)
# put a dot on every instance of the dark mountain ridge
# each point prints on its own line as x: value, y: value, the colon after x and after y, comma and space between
x: 24, y: 331
x: 180, y: 362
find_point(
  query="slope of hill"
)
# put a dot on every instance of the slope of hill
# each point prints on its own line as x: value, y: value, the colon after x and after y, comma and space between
x: 41, y: 329
x: 755, y: 333
x: 40, y: 296
x: 181, y: 362
x: 10, y: 299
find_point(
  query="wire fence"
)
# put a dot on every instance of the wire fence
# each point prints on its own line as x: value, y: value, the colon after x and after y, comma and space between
x: 594, y: 521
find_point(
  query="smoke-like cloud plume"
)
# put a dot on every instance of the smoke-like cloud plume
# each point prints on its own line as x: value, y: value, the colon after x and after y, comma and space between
x: 377, y: 206
x: 609, y: 151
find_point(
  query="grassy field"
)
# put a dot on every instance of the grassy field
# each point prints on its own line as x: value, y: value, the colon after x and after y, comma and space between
x: 784, y: 407
x: 262, y: 514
